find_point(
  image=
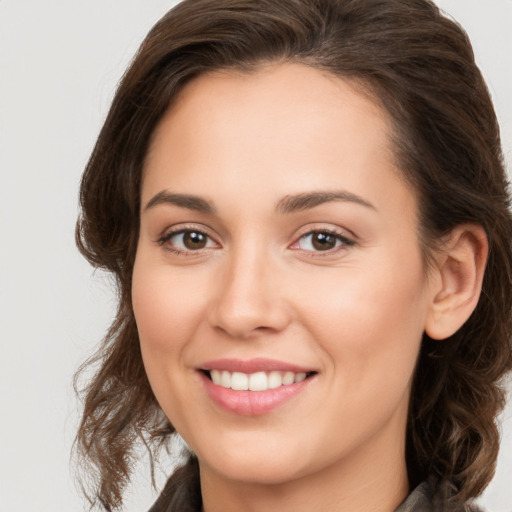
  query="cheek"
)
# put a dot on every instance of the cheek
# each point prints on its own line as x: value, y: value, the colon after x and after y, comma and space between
x: 164, y: 314
x: 370, y: 324
x: 165, y: 319
x: 373, y: 352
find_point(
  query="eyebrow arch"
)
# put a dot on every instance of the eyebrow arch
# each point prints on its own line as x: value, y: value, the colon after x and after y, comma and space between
x: 299, y: 202
x: 183, y: 200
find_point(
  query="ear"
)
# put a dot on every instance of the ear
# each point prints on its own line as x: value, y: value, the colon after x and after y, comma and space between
x: 456, y: 280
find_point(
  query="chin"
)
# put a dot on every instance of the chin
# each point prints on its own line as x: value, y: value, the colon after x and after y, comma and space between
x: 258, y: 470
x: 256, y: 459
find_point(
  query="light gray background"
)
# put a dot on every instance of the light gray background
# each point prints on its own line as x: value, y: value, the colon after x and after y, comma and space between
x: 59, y: 63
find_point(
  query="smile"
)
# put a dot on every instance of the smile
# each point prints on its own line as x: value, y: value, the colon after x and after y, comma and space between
x: 259, y: 381
x: 254, y: 387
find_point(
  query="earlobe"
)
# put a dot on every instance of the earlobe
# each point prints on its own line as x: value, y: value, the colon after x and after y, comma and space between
x: 457, y: 283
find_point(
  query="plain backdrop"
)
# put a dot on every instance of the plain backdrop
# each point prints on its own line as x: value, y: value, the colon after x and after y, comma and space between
x: 60, y: 61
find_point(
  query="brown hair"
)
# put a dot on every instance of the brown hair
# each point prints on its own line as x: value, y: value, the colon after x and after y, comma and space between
x: 420, y: 65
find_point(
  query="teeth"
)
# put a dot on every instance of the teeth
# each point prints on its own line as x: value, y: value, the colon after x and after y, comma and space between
x: 300, y: 377
x: 216, y: 377
x: 225, y: 379
x: 275, y: 380
x: 288, y: 378
x: 239, y: 381
x: 259, y: 381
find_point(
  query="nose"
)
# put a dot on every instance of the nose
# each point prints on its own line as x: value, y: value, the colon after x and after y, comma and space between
x: 249, y: 299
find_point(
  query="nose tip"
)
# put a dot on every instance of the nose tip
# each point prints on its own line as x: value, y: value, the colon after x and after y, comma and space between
x: 248, y: 304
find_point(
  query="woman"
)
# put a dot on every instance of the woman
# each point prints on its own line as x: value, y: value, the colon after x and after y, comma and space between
x: 305, y: 207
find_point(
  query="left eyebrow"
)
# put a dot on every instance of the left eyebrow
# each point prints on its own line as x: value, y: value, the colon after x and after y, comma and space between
x: 188, y: 201
x: 305, y: 201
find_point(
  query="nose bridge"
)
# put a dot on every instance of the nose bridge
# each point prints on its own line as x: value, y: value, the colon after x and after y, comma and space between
x: 248, y: 300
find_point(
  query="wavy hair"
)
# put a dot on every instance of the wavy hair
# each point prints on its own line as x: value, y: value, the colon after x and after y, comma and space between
x: 420, y: 66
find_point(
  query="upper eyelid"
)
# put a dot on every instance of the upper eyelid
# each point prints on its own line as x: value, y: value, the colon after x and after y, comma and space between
x: 323, y: 228
x: 182, y: 228
x: 163, y: 241
x: 347, y: 238
x: 344, y: 239
x: 343, y: 233
x: 334, y: 233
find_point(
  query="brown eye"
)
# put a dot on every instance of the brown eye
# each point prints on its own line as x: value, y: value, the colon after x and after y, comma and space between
x: 194, y: 240
x: 322, y: 241
x: 187, y: 240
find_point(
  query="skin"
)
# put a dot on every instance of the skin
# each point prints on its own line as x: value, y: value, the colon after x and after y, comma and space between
x: 355, y: 314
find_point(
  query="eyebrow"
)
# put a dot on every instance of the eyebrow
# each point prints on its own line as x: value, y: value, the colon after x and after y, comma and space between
x: 288, y: 204
x: 300, y: 202
x: 183, y: 200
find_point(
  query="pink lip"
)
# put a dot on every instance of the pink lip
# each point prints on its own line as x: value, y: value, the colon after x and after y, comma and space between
x: 252, y: 403
x: 253, y: 366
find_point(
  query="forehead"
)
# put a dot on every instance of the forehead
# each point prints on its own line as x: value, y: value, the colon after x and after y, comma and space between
x: 290, y: 126
x: 300, y: 101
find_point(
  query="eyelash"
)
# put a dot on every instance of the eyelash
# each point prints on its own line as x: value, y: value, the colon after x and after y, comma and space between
x: 166, y: 237
x: 344, y: 242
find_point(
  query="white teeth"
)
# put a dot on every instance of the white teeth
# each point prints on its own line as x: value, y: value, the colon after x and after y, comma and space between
x: 275, y: 380
x: 225, y: 379
x: 259, y: 381
x: 288, y: 378
x: 300, y: 377
x: 239, y: 381
x: 215, y: 375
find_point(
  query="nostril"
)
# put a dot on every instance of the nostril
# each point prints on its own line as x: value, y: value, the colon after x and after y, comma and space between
x: 263, y: 329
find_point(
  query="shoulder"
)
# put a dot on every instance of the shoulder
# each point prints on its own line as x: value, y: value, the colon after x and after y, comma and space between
x: 430, y: 497
x: 182, y: 492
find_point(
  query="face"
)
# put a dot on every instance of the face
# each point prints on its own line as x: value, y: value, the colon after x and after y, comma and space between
x: 278, y: 287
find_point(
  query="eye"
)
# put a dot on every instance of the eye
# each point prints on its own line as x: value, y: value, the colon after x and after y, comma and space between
x: 321, y: 241
x: 187, y: 240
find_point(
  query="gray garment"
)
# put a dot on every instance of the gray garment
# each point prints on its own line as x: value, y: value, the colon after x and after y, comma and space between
x: 425, y: 499
x: 420, y: 500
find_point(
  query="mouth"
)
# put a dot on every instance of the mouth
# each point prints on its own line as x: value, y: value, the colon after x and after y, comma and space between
x: 254, y: 387
x: 257, y: 381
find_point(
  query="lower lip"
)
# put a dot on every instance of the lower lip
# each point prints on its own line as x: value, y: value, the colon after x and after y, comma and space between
x: 252, y: 403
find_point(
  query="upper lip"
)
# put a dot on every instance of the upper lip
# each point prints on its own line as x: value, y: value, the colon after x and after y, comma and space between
x: 253, y: 365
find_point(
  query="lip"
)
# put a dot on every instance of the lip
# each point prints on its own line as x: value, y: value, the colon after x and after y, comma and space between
x: 252, y: 403
x: 253, y: 366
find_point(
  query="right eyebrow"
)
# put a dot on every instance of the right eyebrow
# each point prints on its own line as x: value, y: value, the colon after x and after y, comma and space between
x: 305, y: 201
x: 183, y: 200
